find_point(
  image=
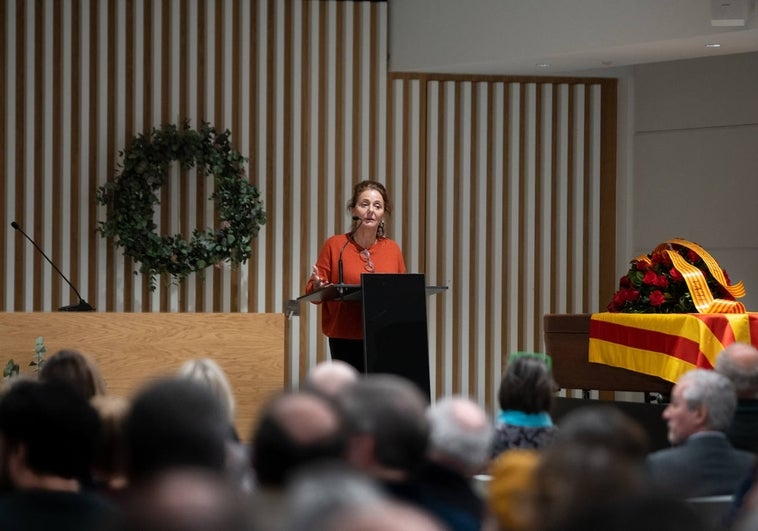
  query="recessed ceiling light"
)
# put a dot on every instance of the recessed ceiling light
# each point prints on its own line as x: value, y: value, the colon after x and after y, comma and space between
x: 543, y: 65
x: 713, y: 45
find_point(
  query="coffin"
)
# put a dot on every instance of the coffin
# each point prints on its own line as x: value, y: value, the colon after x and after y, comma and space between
x: 567, y: 339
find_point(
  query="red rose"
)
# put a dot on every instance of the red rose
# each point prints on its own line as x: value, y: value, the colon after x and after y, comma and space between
x: 675, y: 275
x: 640, y: 266
x: 692, y: 256
x: 662, y: 281
x: 650, y: 278
x: 625, y: 282
x: 656, y: 298
x: 657, y: 258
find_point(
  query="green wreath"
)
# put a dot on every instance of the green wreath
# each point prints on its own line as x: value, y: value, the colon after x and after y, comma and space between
x: 131, y: 197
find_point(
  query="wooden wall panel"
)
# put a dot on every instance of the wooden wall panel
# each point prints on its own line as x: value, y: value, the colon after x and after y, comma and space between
x: 503, y: 187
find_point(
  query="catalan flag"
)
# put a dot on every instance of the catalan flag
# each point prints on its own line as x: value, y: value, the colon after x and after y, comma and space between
x: 667, y: 345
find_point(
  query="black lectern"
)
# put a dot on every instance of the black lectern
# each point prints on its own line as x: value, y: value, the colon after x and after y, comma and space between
x: 394, y: 322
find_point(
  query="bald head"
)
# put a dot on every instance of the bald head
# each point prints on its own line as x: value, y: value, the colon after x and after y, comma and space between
x: 331, y: 377
x: 739, y: 363
x: 461, y: 434
x: 305, y: 417
x: 295, y: 429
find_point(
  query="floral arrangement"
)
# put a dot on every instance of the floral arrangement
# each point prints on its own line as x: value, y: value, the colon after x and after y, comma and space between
x: 677, y: 277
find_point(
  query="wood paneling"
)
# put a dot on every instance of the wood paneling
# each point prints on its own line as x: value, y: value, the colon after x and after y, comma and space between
x: 131, y: 349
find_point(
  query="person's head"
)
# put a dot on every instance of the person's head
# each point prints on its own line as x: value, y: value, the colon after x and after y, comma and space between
x: 185, y: 499
x: 527, y: 384
x: 109, y: 466
x: 460, y: 435
x: 572, y: 481
x: 701, y: 400
x: 318, y: 492
x: 370, y: 202
x: 330, y: 377
x: 295, y: 428
x: 76, y: 369
x: 511, y: 493
x: 387, y: 424
x: 390, y: 515
x: 207, y: 372
x: 172, y: 423
x: 604, y: 426
x: 739, y: 363
x: 46, y: 429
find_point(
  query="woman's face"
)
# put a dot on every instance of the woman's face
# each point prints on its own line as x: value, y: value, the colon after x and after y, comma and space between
x: 370, y: 208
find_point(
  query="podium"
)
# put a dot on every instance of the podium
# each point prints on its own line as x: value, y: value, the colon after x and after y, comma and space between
x: 394, y: 322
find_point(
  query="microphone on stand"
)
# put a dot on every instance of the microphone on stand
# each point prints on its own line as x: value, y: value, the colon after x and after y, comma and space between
x: 340, y: 278
x: 82, y: 306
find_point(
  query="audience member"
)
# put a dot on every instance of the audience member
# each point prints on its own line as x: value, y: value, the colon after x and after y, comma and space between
x: 525, y: 398
x: 459, y: 447
x: 512, y: 490
x: 320, y: 491
x: 604, y: 426
x: 186, y: 499
x: 739, y: 363
x: 48, y: 435
x: 109, y: 473
x: 295, y: 429
x: 649, y: 512
x: 574, y: 480
x: 596, y: 458
x: 330, y: 377
x: 175, y: 423
x: 387, y: 516
x: 702, y: 462
x: 388, y: 431
x: 75, y: 369
x: 208, y: 373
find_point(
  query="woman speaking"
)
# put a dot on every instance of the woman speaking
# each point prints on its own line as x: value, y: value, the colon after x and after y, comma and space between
x: 363, y: 250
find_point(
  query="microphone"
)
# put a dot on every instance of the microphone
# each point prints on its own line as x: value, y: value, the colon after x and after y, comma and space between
x: 349, y: 237
x: 82, y: 306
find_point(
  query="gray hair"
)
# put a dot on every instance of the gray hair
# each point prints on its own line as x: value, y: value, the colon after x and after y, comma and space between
x: 744, y: 376
x: 460, y: 431
x: 712, y: 390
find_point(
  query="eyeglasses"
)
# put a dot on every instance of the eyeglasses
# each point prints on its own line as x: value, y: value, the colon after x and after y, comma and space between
x: 366, y: 256
x: 536, y: 355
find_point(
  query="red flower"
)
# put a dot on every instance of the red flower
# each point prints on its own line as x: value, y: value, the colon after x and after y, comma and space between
x: 662, y: 281
x: 640, y: 265
x: 675, y: 275
x: 657, y: 298
x: 650, y: 278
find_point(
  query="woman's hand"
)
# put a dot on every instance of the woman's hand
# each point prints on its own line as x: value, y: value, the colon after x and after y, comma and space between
x: 318, y: 282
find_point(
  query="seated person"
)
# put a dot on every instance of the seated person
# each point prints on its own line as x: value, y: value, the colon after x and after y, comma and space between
x: 702, y: 461
x: 525, y: 398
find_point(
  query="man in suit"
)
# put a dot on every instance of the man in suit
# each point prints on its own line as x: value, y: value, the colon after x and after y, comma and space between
x: 739, y: 363
x: 702, y: 461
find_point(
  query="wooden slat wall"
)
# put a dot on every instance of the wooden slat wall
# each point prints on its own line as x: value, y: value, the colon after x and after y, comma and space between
x: 503, y: 187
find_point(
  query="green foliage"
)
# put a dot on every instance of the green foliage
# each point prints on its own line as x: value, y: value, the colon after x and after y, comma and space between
x: 133, y: 194
x: 12, y: 369
x: 38, y: 358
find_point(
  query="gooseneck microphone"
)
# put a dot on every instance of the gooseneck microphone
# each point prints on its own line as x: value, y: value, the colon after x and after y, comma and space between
x: 82, y: 306
x: 340, y: 277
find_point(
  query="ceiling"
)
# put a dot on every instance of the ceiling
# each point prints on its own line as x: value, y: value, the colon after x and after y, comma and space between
x: 545, y: 37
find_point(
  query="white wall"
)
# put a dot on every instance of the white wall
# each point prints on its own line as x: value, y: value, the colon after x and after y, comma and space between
x: 696, y: 160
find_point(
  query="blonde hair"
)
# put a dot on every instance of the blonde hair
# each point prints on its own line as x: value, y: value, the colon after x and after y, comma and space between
x: 207, y: 372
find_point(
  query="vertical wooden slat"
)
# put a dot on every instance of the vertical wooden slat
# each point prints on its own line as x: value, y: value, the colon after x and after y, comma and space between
x: 607, y: 244
x: 57, y: 160
x: 5, y: 74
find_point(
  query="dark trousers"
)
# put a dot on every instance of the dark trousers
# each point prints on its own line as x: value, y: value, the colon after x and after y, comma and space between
x: 348, y: 350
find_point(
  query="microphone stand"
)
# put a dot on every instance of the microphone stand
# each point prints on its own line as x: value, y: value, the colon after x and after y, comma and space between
x: 82, y: 305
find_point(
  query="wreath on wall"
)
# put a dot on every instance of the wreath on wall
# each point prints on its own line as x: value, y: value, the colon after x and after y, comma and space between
x: 131, y: 198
